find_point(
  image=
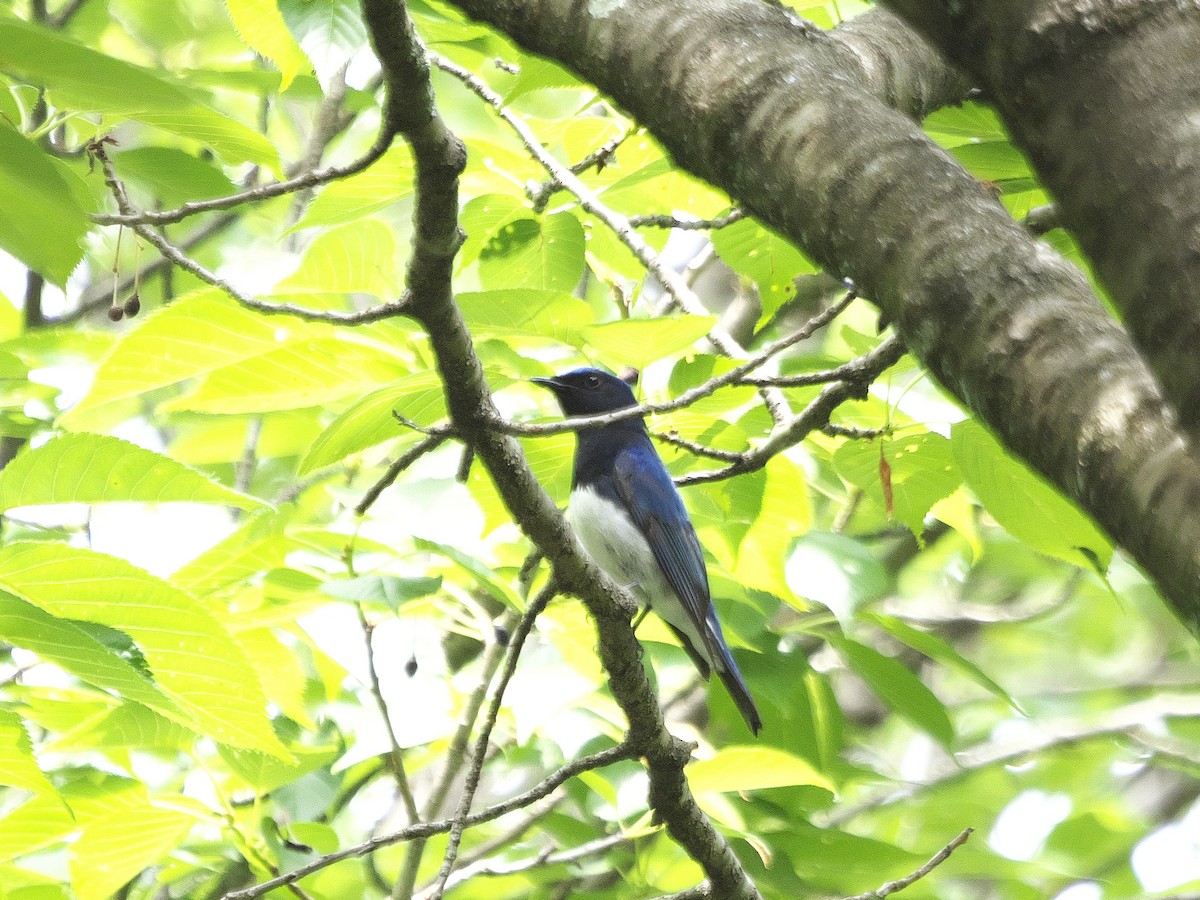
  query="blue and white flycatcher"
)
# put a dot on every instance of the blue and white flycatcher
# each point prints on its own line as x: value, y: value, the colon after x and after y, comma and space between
x: 632, y: 522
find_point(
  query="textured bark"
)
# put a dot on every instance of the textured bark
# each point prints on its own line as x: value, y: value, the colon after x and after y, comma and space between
x: 792, y: 124
x: 1104, y: 97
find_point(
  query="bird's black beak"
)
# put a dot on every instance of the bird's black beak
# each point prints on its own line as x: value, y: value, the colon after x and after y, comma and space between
x: 552, y: 384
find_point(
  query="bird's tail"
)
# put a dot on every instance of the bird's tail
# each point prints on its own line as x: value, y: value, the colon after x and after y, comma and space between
x: 727, y: 671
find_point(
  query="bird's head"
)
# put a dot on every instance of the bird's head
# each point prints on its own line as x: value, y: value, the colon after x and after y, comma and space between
x: 587, y: 392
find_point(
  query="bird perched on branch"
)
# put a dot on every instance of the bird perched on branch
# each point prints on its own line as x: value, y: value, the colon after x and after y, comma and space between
x: 632, y: 522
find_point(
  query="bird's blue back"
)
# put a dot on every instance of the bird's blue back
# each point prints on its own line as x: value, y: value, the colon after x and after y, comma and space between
x: 617, y: 465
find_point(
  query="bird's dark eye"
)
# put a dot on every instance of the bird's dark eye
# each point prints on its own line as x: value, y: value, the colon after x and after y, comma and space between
x: 592, y: 381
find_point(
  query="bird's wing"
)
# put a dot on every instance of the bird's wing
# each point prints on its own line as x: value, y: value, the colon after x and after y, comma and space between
x: 649, y: 495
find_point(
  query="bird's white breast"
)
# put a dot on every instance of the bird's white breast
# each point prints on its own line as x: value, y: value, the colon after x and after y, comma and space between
x: 618, y: 546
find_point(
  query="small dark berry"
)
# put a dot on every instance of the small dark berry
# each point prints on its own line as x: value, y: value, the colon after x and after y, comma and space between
x: 116, y: 313
x: 133, y: 305
x: 502, y: 635
x: 410, y: 667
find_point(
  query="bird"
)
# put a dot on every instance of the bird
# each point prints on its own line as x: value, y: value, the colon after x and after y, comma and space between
x: 629, y: 517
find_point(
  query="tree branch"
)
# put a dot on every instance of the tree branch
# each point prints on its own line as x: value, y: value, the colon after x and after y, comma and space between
x: 793, y: 124
x: 1128, y: 719
x: 900, y: 884
x: 175, y: 255
x: 1093, y: 93
x: 690, y: 396
x: 439, y: 159
x: 425, y: 830
x: 133, y: 217
x: 516, y: 644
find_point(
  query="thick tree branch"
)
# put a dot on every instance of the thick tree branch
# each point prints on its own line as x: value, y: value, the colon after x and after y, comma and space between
x: 792, y: 124
x: 1103, y: 97
x: 439, y: 158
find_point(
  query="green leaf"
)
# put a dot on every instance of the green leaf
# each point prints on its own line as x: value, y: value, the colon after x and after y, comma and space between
x: 921, y: 467
x: 836, y: 571
x: 355, y: 258
x: 83, y: 79
x: 538, y: 252
x: 390, y: 589
x: 195, y: 661
x: 38, y: 823
x: 279, y: 668
x: 481, y: 572
x: 73, y: 649
x: 295, y: 376
x: 369, y: 421
x: 171, y: 175
x: 321, y: 837
x: 760, y: 255
x: 262, y: 27
x: 954, y: 125
x: 752, y: 769
x: 538, y: 73
x: 113, y: 849
x: 95, y: 468
x: 482, y: 218
x: 387, y: 181
x: 899, y: 688
x: 639, y: 342
x: 1028, y: 507
x: 257, y: 546
x: 266, y: 773
x: 248, y: 362
x: 940, y: 650
x: 42, y: 222
x: 552, y: 315
x: 995, y: 161
x: 129, y: 725
x: 18, y: 768
x: 783, y: 516
x: 330, y: 32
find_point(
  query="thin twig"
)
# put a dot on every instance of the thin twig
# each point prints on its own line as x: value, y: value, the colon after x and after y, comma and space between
x: 806, y: 379
x: 425, y: 830
x: 456, y: 758
x: 690, y: 396
x: 673, y: 438
x: 1121, y: 720
x: 485, y: 733
x: 619, y: 224
x: 93, y: 299
x: 940, y: 857
x: 659, y: 220
x: 397, y: 754
x: 470, y: 864
x: 814, y: 416
x: 60, y: 19
x: 539, y: 194
x: 547, y: 857
x: 857, y: 434
x: 132, y: 217
x: 175, y: 255
x: 431, y: 442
